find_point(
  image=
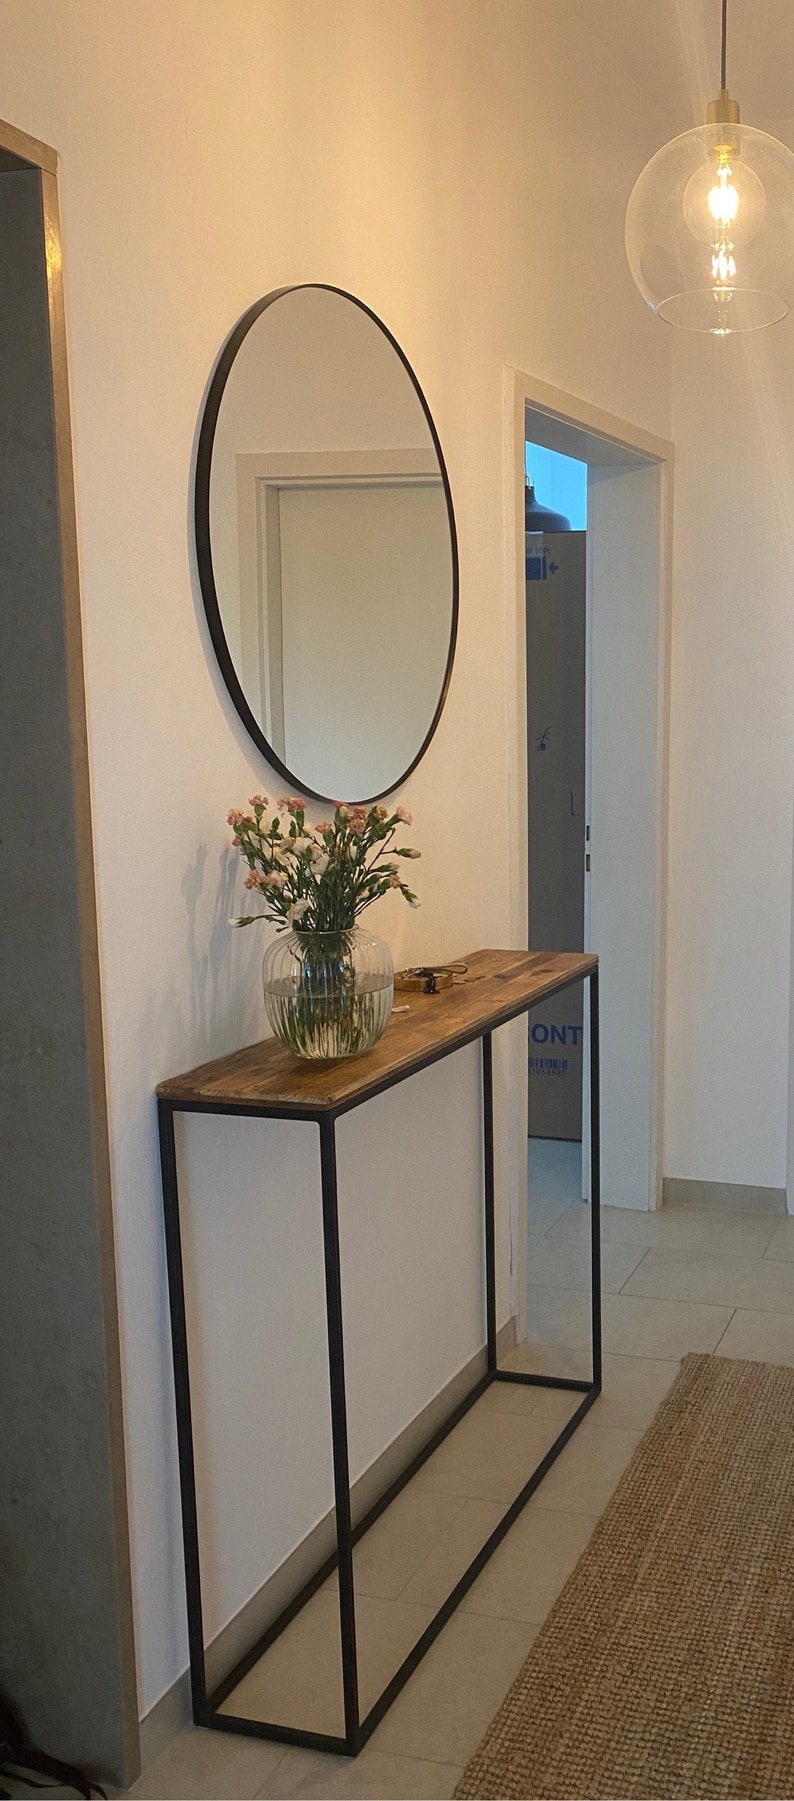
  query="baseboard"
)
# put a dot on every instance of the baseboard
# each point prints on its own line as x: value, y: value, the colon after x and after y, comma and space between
x: 172, y: 1712
x: 165, y: 1719
x: 735, y: 1197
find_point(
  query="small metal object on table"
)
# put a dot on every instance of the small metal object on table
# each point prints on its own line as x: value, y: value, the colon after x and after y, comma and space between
x: 265, y: 1081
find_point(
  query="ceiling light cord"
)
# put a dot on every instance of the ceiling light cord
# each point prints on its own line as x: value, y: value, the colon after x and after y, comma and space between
x: 724, y: 57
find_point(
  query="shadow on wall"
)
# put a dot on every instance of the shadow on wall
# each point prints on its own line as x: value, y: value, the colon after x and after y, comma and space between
x: 225, y: 988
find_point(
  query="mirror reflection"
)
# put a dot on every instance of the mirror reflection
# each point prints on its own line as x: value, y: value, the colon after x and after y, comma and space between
x: 331, y: 545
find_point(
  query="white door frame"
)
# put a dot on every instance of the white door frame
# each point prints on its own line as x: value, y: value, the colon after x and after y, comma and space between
x: 522, y: 390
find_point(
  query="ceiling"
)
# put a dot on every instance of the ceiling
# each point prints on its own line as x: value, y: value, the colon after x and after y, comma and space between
x: 672, y: 50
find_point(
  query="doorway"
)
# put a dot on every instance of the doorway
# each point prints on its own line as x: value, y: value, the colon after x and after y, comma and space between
x: 610, y: 876
x: 556, y: 636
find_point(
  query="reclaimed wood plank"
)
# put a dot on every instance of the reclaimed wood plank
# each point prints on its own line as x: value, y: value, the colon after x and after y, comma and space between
x: 498, y: 984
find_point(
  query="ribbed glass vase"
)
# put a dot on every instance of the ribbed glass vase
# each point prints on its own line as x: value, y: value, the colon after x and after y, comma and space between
x: 328, y: 994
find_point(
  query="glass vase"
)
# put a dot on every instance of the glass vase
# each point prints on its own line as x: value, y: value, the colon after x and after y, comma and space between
x: 328, y: 994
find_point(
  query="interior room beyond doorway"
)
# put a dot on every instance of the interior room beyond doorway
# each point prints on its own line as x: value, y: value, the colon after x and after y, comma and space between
x: 556, y: 634
x: 593, y: 655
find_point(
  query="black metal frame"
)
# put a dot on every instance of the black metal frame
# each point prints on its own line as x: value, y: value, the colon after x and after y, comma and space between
x: 357, y: 1731
x: 201, y: 519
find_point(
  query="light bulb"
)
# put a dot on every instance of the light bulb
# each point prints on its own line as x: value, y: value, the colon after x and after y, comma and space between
x: 735, y: 201
x: 723, y: 204
x: 723, y: 200
x: 724, y: 208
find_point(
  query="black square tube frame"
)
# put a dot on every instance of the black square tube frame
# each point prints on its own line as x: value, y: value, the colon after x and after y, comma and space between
x: 206, y: 1708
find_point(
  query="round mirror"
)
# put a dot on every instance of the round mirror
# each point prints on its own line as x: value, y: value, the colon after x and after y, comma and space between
x: 326, y: 544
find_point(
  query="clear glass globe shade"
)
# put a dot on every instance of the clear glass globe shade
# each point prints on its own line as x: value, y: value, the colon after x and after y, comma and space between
x: 717, y: 261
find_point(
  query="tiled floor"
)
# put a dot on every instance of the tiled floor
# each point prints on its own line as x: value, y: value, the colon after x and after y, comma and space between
x: 675, y: 1281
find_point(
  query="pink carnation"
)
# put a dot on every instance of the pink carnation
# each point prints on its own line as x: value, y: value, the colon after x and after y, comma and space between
x: 258, y: 800
x: 403, y: 814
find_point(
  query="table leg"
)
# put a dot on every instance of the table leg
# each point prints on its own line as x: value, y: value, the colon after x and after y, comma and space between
x: 336, y: 1364
x: 488, y: 1168
x: 184, y: 1422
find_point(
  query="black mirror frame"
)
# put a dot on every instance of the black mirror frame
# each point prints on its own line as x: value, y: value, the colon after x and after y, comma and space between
x: 206, y: 573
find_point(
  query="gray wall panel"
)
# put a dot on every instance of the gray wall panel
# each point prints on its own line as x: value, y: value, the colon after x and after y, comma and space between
x: 64, y: 1607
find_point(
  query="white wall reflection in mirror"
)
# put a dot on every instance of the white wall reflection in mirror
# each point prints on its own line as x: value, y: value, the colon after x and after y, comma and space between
x: 331, y: 545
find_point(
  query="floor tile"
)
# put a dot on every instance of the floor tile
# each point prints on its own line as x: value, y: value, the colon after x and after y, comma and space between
x: 565, y: 1263
x: 640, y: 1327
x: 542, y: 1359
x: 781, y: 1245
x: 633, y: 1390
x: 453, y: 1553
x: 557, y: 1404
x: 731, y: 1234
x: 208, y: 1766
x: 544, y: 1210
x: 373, y: 1776
x: 694, y: 1275
x: 526, y: 1573
x: 761, y: 1337
x: 452, y: 1697
x: 300, y: 1772
x: 758, y: 1283
x: 559, y: 1319
x: 298, y: 1682
x: 588, y: 1470
x: 395, y: 1546
x: 509, y: 1397
x: 559, y: 1316
x: 488, y: 1457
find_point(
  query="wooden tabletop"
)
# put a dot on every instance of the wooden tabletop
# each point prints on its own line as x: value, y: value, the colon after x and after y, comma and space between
x: 498, y: 985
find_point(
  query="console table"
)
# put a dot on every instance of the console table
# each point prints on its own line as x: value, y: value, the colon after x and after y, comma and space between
x: 266, y: 1081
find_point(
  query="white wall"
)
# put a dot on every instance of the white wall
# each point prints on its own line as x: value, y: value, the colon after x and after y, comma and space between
x: 438, y: 157
x: 264, y: 1470
x: 732, y: 758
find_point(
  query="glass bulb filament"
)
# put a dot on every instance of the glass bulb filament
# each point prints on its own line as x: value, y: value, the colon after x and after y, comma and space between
x: 723, y: 265
x: 723, y: 205
x: 723, y: 200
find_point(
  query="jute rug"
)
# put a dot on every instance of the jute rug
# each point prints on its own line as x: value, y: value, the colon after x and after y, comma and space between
x: 666, y: 1667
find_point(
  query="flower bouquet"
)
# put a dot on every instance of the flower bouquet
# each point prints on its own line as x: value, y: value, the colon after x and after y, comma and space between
x: 329, y: 986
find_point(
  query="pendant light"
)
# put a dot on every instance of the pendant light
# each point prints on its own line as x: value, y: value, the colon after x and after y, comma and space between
x: 539, y: 518
x: 710, y: 224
